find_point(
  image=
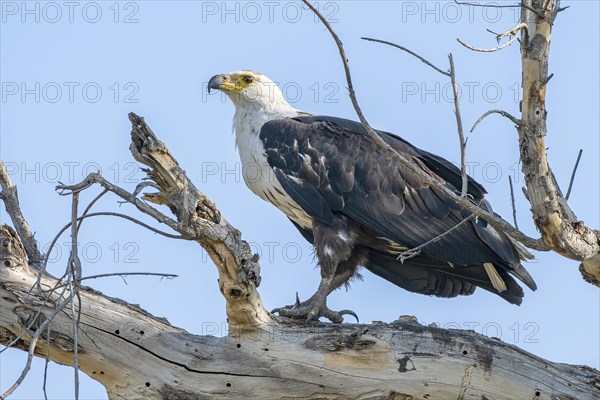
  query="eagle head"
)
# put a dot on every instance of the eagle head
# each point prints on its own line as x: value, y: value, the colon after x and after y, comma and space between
x: 246, y: 88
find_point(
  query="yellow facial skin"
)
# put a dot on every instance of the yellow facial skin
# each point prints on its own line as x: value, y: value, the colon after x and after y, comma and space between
x: 230, y: 83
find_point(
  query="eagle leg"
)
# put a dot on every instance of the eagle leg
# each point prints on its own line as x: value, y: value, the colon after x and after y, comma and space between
x: 339, y: 260
x: 315, y: 308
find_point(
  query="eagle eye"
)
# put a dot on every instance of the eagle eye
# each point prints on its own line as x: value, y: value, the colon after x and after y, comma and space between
x: 247, y: 79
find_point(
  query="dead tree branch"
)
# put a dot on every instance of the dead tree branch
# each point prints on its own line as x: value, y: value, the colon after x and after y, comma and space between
x: 560, y: 229
x: 512, y: 202
x: 559, y: 226
x: 511, y: 32
x: 412, y: 53
x: 138, y: 356
x: 11, y: 202
x: 459, y: 125
x: 465, y: 202
x: 197, y: 219
x: 573, y: 174
x: 505, y: 114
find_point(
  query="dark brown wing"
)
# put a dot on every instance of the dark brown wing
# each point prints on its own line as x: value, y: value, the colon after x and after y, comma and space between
x: 330, y: 165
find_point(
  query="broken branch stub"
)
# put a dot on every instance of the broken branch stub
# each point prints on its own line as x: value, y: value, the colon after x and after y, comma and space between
x: 239, y: 270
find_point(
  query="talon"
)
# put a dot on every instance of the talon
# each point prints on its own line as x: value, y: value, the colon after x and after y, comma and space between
x: 276, y: 310
x: 349, y: 312
x: 311, y: 316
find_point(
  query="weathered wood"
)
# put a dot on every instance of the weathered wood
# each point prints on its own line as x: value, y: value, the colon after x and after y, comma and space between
x: 557, y: 223
x: 239, y: 271
x: 138, y: 356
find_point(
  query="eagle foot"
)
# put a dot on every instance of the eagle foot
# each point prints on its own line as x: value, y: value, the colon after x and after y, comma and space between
x: 312, y: 310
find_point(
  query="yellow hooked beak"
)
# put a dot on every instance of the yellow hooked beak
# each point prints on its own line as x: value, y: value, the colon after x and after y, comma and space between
x: 224, y: 83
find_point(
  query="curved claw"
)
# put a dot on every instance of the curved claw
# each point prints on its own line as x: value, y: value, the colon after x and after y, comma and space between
x: 349, y: 312
x: 312, y: 316
x: 297, y: 304
x: 276, y: 310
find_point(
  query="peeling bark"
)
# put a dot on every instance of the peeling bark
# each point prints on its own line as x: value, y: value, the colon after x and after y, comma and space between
x: 556, y: 222
x: 138, y: 356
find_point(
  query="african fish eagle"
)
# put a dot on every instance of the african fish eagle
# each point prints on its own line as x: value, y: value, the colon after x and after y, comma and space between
x: 360, y: 207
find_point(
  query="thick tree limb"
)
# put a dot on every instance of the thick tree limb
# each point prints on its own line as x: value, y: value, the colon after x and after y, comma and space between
x: 560, y: 229
x: 552, y: 215
x: 197, y: 219
x: 138, y: 356
x: 11, y: 201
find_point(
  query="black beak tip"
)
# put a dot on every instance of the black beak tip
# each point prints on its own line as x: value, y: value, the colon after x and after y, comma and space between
x: 214, y: 82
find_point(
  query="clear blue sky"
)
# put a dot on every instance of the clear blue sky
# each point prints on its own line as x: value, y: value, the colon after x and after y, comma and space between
x: 71, y: 73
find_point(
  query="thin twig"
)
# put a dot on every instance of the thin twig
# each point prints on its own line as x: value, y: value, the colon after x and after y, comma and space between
x: 500, y: 6
x: 409, y: 52
x: 342, y: 52
x: 497, y: 222
x: 122, y: 274
x: 511, y: 32
x: 74, y: 274
x: 408, y: 254
x: 127, y: 217
x: 548, y: 79
x: 491, y: 50
x: 74, y: 261
x: 74, y: 289
x: 90, y: 205
x: 573, y: 174
x: 34, y: 319
x: 125, y: 195
x: 112, y: 214
x: 32, y: 346
x: 512, y: 200
x: 46, y: 362
x: 168, y: 276
x: 505, y: 114
x: 461, y: 136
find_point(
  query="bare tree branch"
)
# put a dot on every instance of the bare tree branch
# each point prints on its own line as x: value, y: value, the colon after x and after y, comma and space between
x: 512, y: 202
x: 511, y: 32
x: 505, y: 114
x: 351, y: 92
x: 573, y: 174
x: 465, y: 202
x: 11, y: 202
x: 314, y: 360
x: 425, y: 61
x: 522, y: 5
x: 32, y: 347
x: 461, y: 136
x: 553, y: 217
x: 490, y: 50
x: 408, y: 254
x: 128, y: 197
x: 74, y: 274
